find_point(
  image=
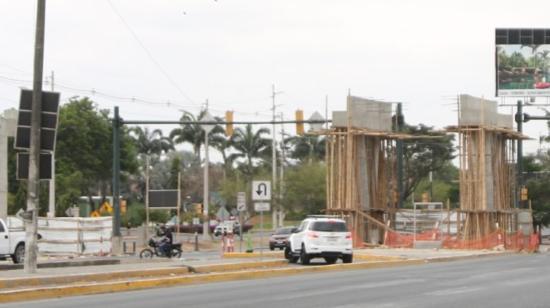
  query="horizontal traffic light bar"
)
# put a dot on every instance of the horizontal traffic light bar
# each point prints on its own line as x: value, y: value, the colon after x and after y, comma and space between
x: 222, y: 122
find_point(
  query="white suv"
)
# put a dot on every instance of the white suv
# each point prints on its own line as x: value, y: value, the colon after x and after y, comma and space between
x: 320, y: 237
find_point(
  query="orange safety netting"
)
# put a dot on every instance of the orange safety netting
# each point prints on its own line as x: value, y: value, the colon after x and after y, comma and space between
x: 513, y: 241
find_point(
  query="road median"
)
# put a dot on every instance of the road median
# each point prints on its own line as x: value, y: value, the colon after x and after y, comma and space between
x: 198, y: 275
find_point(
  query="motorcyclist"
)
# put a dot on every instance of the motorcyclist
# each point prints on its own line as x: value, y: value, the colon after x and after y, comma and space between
x: 165, y: 241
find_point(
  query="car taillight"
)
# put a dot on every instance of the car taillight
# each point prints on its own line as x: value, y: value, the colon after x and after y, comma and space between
x: 348, y: 236
x: 312, y: 235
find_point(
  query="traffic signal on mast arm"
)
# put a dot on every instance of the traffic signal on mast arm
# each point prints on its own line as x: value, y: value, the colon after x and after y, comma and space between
x: 299, y: 122
x: 229, y: 123
x: 524, y: 194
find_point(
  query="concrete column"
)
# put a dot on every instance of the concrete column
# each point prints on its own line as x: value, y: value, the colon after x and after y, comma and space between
x: 7, y: 129
x: 3, y: 170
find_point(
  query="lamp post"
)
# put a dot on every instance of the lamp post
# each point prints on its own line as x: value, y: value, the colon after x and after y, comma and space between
x: 207, y: 128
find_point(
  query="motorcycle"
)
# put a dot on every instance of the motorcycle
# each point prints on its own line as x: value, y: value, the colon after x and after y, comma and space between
x: 154, y: 250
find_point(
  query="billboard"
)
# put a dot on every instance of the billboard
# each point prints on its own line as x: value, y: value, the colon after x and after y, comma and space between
x: 523, y: 62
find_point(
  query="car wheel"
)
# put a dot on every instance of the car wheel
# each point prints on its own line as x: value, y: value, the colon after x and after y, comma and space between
x: 304, y: 257
x: 271, y: 248
x: 330, y: 260
x: 19, y: 254
x: 347, y: 258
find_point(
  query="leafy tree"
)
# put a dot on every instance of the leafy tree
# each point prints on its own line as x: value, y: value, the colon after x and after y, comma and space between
x: 307, y: 147
x: 305, y: 189
x: 84, y: 152
x: 420, y: 156
x: 537, y: 168
x: 250, y: 145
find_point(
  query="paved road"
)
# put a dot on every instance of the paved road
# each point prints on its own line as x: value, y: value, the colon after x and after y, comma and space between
x: 511, y: 281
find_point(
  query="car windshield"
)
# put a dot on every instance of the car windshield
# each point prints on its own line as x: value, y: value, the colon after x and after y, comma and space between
x: 329, y: 226
x: 283, y: 231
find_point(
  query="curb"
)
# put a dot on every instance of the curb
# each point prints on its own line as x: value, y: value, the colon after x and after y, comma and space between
x: 236, y: 266
x: 56, y: 264
x: 26, y: 282
x: 242, y: 255
x: 199, y: 278
x: 111, y: 287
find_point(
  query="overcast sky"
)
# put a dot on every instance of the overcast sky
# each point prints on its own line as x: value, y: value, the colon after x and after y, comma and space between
x: 422, y: 53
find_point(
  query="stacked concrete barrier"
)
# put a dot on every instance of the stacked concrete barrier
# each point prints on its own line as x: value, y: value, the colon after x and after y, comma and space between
x: 75, y: 236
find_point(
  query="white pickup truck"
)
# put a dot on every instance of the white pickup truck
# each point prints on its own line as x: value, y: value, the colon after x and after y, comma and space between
x: 12, y: 241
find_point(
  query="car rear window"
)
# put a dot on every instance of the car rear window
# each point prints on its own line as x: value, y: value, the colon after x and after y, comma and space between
x: 329, y: 226
x: 283, y: 231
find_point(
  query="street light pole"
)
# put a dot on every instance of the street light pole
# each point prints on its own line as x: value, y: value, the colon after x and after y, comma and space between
x: 207, y: 128
x: 206, y: 223
x: 31, y: 249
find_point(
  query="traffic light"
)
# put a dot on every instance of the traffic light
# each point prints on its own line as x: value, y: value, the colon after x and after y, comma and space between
x: 299, y: 122
x: 229, y: 123
x: 524, y: 194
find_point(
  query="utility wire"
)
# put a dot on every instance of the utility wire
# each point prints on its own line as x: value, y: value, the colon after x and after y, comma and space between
x: 149, y: 54
x: 131, y: 99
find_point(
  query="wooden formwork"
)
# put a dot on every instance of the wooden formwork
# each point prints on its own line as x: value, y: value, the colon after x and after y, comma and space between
x: 361, y: 180
x: 487, y: 180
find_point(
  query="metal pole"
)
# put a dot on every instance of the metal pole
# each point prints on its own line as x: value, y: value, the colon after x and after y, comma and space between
x: 431, y: 186
x: 147, y: 162
x: 179, y: 206
x: 414, y: 224
x: 274, y: 157
x: 399, y: 153
x: 261, y: 234
x: 206, y: 223
x: 282, y: 175
x: 519, y: 121
x: 33, y: 183
x: 51, y: 199
x: 241, y: 231
x: 116, y: 173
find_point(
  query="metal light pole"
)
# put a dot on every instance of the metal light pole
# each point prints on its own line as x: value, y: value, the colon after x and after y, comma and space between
x: 33, y: 183
x: 51, y: 201
x: 519, y: 163
x: 275, y: 209
x: 207, y: 128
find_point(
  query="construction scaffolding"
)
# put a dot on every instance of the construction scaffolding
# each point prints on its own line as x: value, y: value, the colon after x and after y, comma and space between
x: 361, y: 173
x: 362, y: 181
x: 487, y: 169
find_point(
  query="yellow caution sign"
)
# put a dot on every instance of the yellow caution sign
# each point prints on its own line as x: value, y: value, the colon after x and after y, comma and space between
x: 95, y: 214
x: 106, y: 207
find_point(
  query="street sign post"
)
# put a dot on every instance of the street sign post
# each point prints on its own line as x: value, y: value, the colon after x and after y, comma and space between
x: 261, y: 207
x: 241, y: 201
x: 241, y: 207
x: 261, y: 190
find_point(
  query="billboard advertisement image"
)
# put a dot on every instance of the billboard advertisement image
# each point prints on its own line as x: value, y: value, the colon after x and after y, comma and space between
x: 523, y: 70
x: 522, y: 62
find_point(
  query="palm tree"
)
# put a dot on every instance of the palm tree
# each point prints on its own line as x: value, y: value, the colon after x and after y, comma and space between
x: 223, y: 144
x: 250, y: 145
x: 193, y: 133
x: 151, y: 142
x: 307, y: 147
